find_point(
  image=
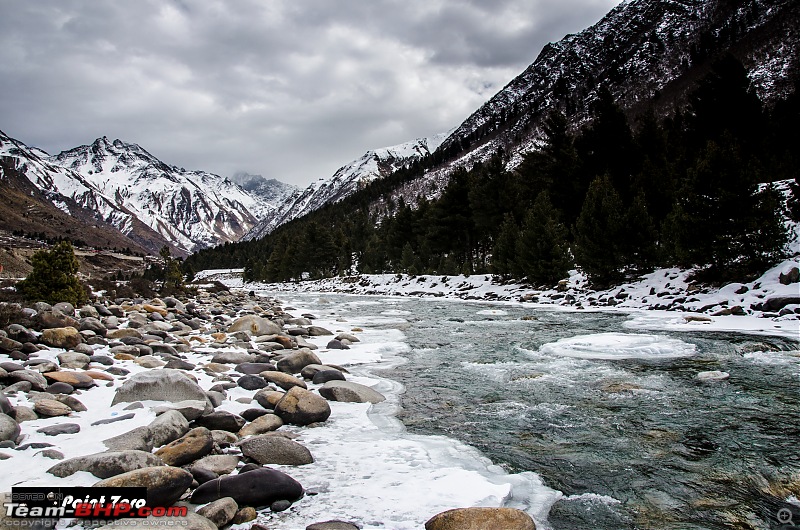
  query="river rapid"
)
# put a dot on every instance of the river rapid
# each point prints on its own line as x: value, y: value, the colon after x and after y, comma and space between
x: 612, y: 416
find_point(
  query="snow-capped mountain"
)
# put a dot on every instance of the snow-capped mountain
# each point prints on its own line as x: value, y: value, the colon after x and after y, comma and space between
x: 374, y: 164
x: 75, y: 197
x: 270, y: 191
x: 192, y: 209
x: 648, y: 53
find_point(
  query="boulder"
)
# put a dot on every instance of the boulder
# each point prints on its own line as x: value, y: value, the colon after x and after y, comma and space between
x: 256, y: 325
x: 70, y: 401
x: 20, y: 333
x: 232, y: 357
x: 316, y: 331
x: 94, y: 325
x: 323, y: 376
x: 268, y: 398
x: 261, y: 425
x: 9, y: 345
x: 350, y: 392
x: 302, y: 407
x: 193, y: 445
x: 244, y: 515
x: 335, y: 344
x: 105, y: 465
x: 254, y: 368
x: 54, y: 319
x: 270, y: 449
x: 481, y: 519
x: 776, y: 303
x: 283, y: 380
x: 790, y: 277
x: 67, y: 337
x: 159, y: 385
x: 294, y: 362
x: 348, y: 337
x: 5, y: 405
x: 190, y: 408
x: 51, y: 407
x: 9, y: 428
x: 165, y: 484
x: 65, y: 308
x: 165, y: 428
x: 220, y: 512
x: 221, y: 420
x: 251, y: 382
x: 218, y: 464
x: 124, y: 332
x: 74, y: 379
x: 332, y: 525
x: 260, y: 487
x: 61, y: 428
x: 73, y: 359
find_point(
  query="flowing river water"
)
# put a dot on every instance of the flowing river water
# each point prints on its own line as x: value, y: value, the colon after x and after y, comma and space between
x: 613, y: 417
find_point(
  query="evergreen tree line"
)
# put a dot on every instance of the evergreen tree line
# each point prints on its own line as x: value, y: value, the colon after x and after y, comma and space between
x: 616, y: 199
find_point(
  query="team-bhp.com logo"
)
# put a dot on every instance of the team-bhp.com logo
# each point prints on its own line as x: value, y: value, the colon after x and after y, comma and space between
x: 85, y: 503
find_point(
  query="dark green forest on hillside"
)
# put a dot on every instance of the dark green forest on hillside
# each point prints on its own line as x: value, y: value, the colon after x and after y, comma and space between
x: 617, y: 199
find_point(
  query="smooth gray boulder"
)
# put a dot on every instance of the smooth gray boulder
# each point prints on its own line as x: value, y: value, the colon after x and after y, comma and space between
x: 165, y: 384
x: 350, y: 392
x: 108, y: 464
x: 272, y: 449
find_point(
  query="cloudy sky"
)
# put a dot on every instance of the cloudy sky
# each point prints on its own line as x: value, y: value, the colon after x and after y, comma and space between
x: 290, y: 89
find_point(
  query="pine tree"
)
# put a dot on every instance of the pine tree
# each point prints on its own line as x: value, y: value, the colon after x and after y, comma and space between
x: 504, y: 251
x: 542, y: 249
x: 599, y: 233
x: 54, y: 277
x: 640, y: 244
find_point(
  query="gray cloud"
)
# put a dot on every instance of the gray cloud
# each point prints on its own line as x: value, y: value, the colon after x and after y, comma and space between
x: 288, y: 89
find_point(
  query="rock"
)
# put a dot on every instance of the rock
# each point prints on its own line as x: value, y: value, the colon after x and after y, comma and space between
x: 251, y: 382
x: 62, y: 428
x: 350, y: 392
x: 267, y: 449
x: 115, y: 419
x: 316, y: 331
x: 74, y: 379
x: 193, y: 445
x: 5, y: 405
x: 159, y: 385
x: 179, y: 364
x: 190, y: 408
x: 246, y: 514
x: 256, y: 325
x: 713, y: 375
x: 165, y: 484
x: 54, y: 319
x: 89, y: 311
x: 294, y: 362
x: 232, y: 357
x: 252, y: 414
x: 481, y: 519
x: 261, y: 425
x: 280, y: 506
x: 793, y: 276
x: 69, y: 401
x: 268, y: 398
x: 9, y: 428
x: 220, y: 512
x: 260, y: 487
x: 123, y: 332
x: 221, y: 420
x: 51, y: 407
x: 22, y: 413
x: 149, y: 361
x: 776, y: 303
x: 107, y: 464
x: 697, y: 318
x: 254, y: 368
x: 66, y: 338
x: 73, y: 360
x: 52, y: 454
x: 9, y: 345
x: 20, y: 333
x: 337, y: 345
x: 323, y: 376
x: 65, y: 308
x: 348, y: 337
x: 219, y: 464
x: 302, y: 407
x: 332, y: 525
x: 309, y: 371
x: 283, y: 380
x: 168, y: 427
x: 202, y: 475
x: 93, y: 324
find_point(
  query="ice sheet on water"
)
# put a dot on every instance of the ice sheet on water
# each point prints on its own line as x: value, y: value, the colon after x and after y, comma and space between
x: 615, y: 346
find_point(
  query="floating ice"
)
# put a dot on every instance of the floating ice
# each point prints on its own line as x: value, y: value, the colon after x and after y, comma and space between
x: 614, y: 346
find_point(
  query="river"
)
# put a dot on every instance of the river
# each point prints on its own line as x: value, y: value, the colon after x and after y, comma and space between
x: 613, y: 417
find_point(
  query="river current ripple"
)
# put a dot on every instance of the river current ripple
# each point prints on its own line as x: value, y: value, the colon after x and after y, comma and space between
x: 616, y: 419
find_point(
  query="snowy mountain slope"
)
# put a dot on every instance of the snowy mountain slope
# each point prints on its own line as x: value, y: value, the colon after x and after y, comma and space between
x: 374, y: 164
x: 271, y: 191
x: 648, y: 53
x: 75, y: 197
x: 192, y: 209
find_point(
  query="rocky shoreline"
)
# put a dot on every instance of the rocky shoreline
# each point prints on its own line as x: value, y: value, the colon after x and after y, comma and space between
x: 134, y: 392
